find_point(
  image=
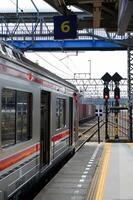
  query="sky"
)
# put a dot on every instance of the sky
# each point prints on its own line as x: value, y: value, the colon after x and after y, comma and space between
x: 10, y: 6
x: 68, y: 63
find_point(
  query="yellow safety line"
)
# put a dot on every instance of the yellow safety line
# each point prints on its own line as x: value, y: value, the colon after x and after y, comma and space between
x: 103, y: 174
x: 130, y: 144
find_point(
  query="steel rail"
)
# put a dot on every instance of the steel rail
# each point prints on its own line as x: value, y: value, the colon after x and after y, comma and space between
x: 90, y: 136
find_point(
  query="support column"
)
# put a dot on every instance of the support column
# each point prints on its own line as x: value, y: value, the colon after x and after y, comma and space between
x: 116, y: 119
x: 106, y: 120
x: 130, y: 91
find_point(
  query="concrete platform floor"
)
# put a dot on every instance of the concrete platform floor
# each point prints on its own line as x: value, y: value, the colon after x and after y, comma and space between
x: 119, y: 180
x: 74, y: 179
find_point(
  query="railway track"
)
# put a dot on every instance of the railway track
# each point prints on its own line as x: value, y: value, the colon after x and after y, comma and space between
x: 88, y: 134
x: 90, y: 130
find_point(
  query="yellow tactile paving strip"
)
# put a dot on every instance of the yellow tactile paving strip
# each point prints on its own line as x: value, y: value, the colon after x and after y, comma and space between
x: 130, y: 145
x: 103, y: 172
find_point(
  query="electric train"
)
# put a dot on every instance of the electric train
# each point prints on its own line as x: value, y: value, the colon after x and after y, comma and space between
x: 38, y: 121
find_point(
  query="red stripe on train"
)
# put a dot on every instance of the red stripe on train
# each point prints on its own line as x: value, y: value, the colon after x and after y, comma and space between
x: 18, y: 157
x: 60, y: 136
x: 7, y: 162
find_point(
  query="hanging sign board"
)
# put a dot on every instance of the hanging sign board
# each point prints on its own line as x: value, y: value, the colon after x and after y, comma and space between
x: 65, y: 27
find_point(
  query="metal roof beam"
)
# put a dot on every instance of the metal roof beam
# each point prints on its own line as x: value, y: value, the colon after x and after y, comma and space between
x: 67, y: 45
x: 125, y: 14
x: 59, y: 5
x: 97, y: 5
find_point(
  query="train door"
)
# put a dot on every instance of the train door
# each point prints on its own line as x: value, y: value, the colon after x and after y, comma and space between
x: 71, y: 119
x: 45, y: 128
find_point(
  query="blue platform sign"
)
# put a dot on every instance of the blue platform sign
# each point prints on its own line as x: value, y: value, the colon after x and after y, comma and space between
x: 65, y: 27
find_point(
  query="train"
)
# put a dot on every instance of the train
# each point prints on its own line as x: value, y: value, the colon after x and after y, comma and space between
x: 39, y: 121
x: 86, y: 112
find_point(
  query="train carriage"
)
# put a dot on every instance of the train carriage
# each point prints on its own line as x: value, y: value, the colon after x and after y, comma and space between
x: 37, y: 117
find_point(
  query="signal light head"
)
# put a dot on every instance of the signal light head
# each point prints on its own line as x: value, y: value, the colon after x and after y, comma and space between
x: 106, y: 93
x: 117, y: 93
x: 117, y: 97
x: 106, y: 97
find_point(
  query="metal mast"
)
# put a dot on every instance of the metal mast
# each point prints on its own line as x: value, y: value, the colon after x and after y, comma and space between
x: 130, y: 89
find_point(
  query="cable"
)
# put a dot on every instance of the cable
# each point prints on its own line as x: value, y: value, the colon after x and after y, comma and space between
x: 36, y: 10
x: 51, y: 64
x: 21, y: 9
x: 35, y: 7
x: 68, y: 56
x: 72, y: 62
x: 51, y: 53
x: 15, y: 5
x: 62, y: 62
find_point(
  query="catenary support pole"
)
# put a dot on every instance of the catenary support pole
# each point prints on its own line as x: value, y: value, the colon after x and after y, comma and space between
x: 130, y: 90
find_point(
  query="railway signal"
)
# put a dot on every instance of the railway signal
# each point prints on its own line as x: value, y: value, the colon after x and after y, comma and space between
x: 116, y: 78
x: 117, y: 93
x: 106, y: 78
x: 106, y: 93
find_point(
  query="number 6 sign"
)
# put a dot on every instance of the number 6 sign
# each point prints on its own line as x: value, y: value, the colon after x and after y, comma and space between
x: 65, y: 27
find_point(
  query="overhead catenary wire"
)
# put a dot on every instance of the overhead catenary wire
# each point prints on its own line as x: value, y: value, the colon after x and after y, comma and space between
x: 16, y: 5
x: 18, y: 8
x: 68, y: 56
x: 72, y: 62
x: 38, y: 54
x: 53, y: 65
x: 62, y: 62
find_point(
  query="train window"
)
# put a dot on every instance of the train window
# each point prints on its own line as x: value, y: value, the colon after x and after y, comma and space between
x: 8, y: 117
x: 22, y: 116
x: 16, y: 117
x: 60, y: 113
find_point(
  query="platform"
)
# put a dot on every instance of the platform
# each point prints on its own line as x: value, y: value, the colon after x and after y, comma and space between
x: 74, y: 179
x: 112, y: 172
x: 116, y: 177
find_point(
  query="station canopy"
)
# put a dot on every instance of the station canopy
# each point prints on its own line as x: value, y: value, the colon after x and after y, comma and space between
x: 111, y: 15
